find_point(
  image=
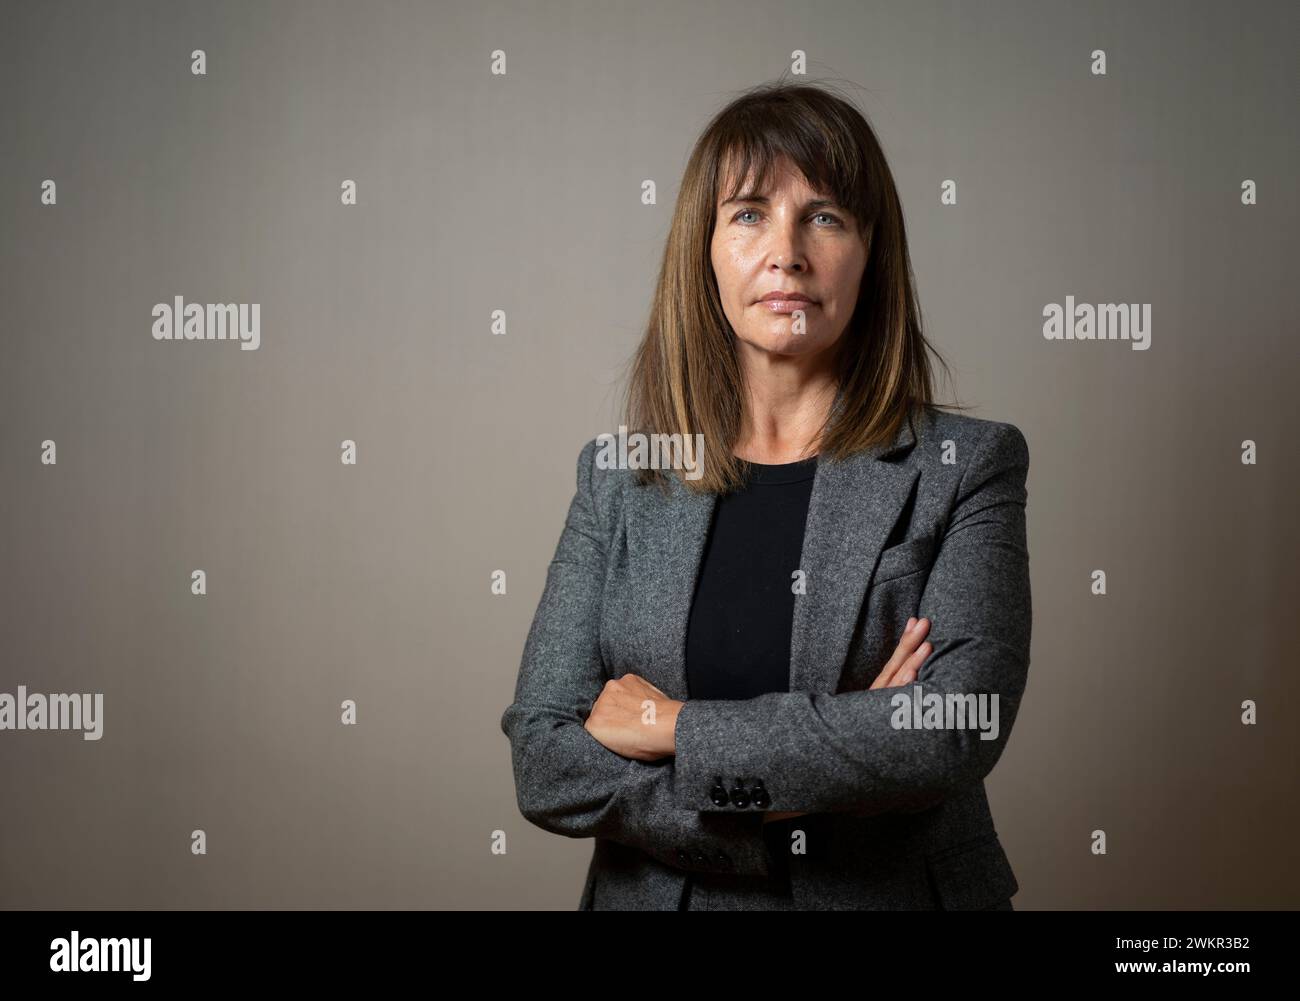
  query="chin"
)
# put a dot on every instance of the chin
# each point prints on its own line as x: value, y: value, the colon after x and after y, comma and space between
x: 786, y: 343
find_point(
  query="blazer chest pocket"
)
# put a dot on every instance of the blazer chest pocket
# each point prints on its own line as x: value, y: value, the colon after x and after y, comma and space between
x: 906, y: 558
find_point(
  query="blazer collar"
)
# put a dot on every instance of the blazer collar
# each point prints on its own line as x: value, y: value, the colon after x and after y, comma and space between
x: 852, y: 509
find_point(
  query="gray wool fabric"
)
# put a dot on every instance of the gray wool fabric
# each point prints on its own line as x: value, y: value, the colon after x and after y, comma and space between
x: 898, y: 818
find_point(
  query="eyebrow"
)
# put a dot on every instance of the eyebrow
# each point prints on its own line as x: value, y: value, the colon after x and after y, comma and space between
x: 815, y: 203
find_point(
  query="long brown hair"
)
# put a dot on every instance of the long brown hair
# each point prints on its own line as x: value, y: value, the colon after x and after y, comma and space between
x: 685, y: 377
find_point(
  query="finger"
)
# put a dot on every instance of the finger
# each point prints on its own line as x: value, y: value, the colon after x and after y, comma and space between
x: 912, y: 635
x: 905, y: 649
x: 895, y: 661
x: 632, y: 678
x: 912, y: 667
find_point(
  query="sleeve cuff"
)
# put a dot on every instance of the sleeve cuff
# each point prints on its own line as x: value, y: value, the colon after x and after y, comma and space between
x: 715, y: 772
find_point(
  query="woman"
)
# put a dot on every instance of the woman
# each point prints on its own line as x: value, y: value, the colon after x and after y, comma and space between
x: 730, y: 680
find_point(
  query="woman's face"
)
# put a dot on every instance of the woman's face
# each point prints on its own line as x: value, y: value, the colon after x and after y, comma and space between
x: 787, y: 242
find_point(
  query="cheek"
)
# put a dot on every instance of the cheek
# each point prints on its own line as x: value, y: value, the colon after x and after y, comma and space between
x: 846, y: 283
x: 730, y: 264
x: 721, y: 268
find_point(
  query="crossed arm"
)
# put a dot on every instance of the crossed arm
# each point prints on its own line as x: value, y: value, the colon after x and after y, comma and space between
x: 833, y: 753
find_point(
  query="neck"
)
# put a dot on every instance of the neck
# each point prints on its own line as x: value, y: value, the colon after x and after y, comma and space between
x: 787, y: 399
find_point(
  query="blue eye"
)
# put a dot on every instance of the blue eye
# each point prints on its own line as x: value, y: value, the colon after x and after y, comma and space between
x: 835, y: 220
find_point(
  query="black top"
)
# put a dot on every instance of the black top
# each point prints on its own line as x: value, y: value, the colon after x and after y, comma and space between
x: 738, y: 635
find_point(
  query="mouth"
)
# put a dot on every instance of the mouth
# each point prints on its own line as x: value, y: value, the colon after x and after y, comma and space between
x: 786, y: 305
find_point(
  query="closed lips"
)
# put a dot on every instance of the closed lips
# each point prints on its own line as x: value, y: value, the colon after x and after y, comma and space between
x: 786, y: 297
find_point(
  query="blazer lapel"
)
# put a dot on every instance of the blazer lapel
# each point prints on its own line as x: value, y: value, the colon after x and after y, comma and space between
x: 853, y: 507
x: 680, y: 532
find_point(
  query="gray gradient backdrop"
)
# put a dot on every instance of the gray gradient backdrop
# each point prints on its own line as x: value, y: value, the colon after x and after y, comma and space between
x: 521, y: 192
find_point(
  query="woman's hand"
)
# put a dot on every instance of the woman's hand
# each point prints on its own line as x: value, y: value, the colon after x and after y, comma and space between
x: 901, y: 670
x: 908, y: 657
x: 618, y: 719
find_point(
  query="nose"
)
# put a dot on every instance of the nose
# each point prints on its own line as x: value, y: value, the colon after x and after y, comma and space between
x: 786, y: 251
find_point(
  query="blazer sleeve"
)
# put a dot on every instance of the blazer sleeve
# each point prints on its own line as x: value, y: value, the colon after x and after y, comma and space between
x: 820, y: 752
x: 566, y: 781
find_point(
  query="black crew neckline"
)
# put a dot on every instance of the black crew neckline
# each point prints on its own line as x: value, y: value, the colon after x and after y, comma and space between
x: 785, y: 472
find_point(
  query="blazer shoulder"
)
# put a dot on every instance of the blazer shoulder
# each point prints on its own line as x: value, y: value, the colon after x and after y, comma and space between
x: 598, y: 480
x: 972, y: 435
x: 985, y: 450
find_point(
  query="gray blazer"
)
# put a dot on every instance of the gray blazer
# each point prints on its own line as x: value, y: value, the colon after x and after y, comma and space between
x: 932, y: 525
